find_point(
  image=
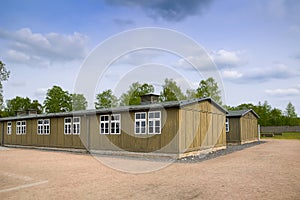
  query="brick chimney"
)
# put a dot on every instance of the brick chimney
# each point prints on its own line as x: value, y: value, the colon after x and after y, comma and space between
x: 149, y: 99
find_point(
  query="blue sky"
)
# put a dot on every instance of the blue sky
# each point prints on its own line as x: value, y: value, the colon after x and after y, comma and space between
x: 254, y: 43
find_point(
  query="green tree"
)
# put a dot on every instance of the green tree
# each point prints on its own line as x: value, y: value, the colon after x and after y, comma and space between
x: 57, y: 100
x: 209, y: 88
x: 78, y: 102
x: 133, y: 95
x: 35, y: 105
x: 4, y: 75
x: 20, y: 103
x: 171, y: 92
x: 264, y: 111
x: 290, y: 111
x: 290, y: 114
x: 191, y: 94
x: 276, y: 117
x: 106, y: 99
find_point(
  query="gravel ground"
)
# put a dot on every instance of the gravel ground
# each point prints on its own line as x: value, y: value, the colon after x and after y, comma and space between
x: 229, y: 149
x: 270, y: 170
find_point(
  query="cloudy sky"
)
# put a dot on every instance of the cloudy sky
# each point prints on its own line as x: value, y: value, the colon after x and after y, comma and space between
x: 255, y: 45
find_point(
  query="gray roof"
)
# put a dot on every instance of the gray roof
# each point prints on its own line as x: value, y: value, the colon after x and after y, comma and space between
x: 241, y: 113
x: 159, y: 105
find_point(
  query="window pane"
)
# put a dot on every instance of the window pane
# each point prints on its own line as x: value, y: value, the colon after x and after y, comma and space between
x: 157, y: 123
x: 138, y: 116
x: 76, y: 119
x: 157, y: 114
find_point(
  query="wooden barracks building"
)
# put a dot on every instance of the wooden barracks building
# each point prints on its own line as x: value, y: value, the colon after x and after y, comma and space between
x: 174, y: 129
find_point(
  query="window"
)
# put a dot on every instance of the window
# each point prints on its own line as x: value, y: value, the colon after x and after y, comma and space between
x: 104, y: 124
x: 43, y: 127
x: 140, y: 123
x: 21, y: 127
x: 68, y: 125
x: 72, y: 126
x: 47, y: 126
x: 227, y: 125
x: 154, y: 122
x: 115, y: 124
x: 76, y: 125
x: 110, y: 124
x: 8, y: 128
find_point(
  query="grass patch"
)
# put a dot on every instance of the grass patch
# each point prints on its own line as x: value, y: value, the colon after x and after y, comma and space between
x: 287, y: 135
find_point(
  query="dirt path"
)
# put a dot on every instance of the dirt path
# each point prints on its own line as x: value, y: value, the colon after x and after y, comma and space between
x: 266, y: 171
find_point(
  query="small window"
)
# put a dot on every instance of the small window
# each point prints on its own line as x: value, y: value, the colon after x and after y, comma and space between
x: 115, y: 124
x: 154, y: 119
x: 140, y: 123
x: 72, y: 126
x: 40, y: 127
x: 76, y: 125
x: 8, y: 128
x: 21, y: 127
x: 104, y: 124
x: 68, y: 125
x: 47, y: 126
x: 43, y: 126
x: 227, y: 125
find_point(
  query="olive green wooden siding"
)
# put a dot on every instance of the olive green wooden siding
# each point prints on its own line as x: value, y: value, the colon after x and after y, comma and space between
x: 57, y: 138
x: 191, y: 127
x: 234, y: 134
x: 243, y: 129
x: 129, y: 141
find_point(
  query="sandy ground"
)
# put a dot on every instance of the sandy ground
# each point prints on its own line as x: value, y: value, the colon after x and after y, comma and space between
x: 267, y: 171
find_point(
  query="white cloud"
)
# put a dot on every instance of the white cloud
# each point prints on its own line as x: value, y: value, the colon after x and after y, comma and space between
x: 224, y: 58
x: 40, y: 49
x: 221, y: 58
x: 17, y: 56
x: 200, y: 62
x: 283, y: 92
x: 232, y: 74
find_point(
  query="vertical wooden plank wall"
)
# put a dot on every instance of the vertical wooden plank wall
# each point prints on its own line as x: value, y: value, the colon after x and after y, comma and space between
x: 249, y: 130
x: 202, y: 126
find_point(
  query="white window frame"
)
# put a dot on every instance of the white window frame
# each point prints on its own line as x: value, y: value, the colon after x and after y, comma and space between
x: 154, y: 122
x: 105, y: 124
x: 138, y: 123
x: 68, y: 126
x: 43, y: 127
x: 227, y: 125
x: 21, y: 127
x: 76, y: 126
x: 115, y: 124
x: 9, y: 125
x: 18, y: 128
x: 40, y: 127
x: 72, y: 127
x: 47, y: 126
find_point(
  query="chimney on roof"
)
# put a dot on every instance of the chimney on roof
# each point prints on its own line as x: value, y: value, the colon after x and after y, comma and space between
x: 26, y: 112
x: 149, y: 99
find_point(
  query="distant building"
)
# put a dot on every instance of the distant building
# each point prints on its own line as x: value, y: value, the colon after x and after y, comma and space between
x: 241, y: 126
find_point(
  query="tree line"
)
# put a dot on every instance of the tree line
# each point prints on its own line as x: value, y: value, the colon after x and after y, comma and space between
x: 59, y: 100
x: 271, y: 116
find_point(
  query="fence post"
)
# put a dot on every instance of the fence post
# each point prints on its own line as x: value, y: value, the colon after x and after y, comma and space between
x: 258, y: 132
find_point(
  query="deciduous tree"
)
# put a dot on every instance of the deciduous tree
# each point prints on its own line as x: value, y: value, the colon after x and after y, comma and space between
x: 4, y: 75
x: 106, y: 99
x: 78, y: 102
x: 57, y: 100
x: 171, y: 92
x: 133, y: 95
